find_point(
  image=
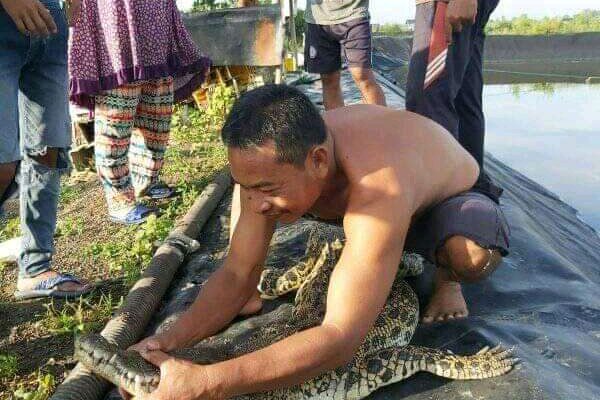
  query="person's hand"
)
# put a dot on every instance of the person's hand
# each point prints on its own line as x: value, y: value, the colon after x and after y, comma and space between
x: 30, y: 16
x: 162, y: 341
x: 458, y: 14
x: 159, y: 342
x: 179, y: 379
x: 73, y: 10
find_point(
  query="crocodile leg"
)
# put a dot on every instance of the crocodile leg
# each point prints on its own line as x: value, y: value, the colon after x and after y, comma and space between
x: 484, y: 364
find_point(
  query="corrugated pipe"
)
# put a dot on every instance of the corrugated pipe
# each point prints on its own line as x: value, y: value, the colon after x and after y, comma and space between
x: 130, y: 321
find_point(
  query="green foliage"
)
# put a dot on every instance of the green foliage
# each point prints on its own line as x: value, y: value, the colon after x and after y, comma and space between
x: 300, y: 28
x: 585, y: 21
x: 68, y: 193
x: 45, y: 386
x: 392, y: 29
x: 70, y: 226
x: 8, y: 366
x: 11, y: 230
x: 207, y: 5
x: 83, y: 316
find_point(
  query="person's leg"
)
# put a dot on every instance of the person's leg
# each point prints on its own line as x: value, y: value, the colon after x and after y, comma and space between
x: 355, y: 38
x: 332, y: 90
x: 469, y: 102
x: 466, y: 237
x: 369, y: 88
x: 13, y: 52
x: 113, y: 124
x: 322, y: 56
x: 436, y: 70
x: 46, y: 137
x: 151, y: 133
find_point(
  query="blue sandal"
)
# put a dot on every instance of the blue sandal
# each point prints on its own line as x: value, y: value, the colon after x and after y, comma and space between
x: 136, y: 215
x: 49, y: 288
x: 159, y: 191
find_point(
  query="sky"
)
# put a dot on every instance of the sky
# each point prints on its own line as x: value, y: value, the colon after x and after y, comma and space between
x: 398, y: 11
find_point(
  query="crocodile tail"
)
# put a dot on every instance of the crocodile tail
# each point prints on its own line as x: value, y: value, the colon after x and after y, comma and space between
x: 486, y: 363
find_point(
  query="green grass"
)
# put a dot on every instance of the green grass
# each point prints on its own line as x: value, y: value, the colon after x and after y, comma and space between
x: 43, y: 388
x: 11, y: 230
x: 70, y: 226
x: 68, y: 193
x: 8, y: 365
x: 81, y: 317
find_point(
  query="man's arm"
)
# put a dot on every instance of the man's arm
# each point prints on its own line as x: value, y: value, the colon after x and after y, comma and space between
x: 227, y: 289
x: 358, y: 290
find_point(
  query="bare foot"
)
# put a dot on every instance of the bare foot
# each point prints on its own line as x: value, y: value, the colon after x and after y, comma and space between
x: 253, y: 305
x: 447, y: 302
x: 30, y: 283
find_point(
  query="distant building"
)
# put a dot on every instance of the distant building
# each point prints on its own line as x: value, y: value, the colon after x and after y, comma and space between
x: 410, y: 24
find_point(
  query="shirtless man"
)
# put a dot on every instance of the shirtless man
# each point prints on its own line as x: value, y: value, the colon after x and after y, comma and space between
x: 398, y: 180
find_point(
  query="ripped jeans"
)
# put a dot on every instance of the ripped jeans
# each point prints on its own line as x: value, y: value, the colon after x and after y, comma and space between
x: 34, y: 117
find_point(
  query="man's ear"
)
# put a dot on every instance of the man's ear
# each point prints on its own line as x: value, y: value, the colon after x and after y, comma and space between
x: 318, y: 159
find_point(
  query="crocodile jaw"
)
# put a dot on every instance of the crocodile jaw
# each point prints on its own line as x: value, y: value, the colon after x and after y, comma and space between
x: 116, y: 366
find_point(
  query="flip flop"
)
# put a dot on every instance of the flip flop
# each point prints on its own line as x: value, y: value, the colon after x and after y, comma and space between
x: 136, y: 215
x: 159, y: 191
x: 49, y: 288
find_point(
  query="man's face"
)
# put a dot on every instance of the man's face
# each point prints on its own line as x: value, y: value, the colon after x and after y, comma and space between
x: 281, y: 191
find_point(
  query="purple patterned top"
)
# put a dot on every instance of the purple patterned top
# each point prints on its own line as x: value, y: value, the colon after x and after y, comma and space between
x: 114, y: 42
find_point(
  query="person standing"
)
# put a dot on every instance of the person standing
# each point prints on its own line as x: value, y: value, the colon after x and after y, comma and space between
x: 35, y: 136
x: 445, y: 84
x: 333, y: 26
x: 445, y: 77
x: 130, y: 60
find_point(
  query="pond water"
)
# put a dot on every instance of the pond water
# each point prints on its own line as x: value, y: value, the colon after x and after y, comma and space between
x: 551, y: 134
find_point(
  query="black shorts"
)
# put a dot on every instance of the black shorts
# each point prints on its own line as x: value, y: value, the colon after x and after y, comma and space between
x: 324, y: 43
x: 469, y: 214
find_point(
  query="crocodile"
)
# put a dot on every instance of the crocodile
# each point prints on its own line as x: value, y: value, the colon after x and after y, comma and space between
x: 385, y: 356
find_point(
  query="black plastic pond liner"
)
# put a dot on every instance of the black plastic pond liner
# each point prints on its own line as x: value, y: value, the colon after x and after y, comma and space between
x: 544, y: 300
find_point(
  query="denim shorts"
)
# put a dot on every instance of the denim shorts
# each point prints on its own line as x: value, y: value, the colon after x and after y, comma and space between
x: 34, y: 107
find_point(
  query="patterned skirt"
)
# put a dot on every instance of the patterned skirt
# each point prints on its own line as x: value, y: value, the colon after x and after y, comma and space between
x: 115, y: 42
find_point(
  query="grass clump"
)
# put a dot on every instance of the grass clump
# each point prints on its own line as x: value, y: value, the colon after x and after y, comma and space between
x: 81, y: 317
x: 42, y: 388
x: 8, y: 365
x: 11, y: 230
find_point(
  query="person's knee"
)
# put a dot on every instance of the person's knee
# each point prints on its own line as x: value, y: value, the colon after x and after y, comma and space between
x: 468, y: 261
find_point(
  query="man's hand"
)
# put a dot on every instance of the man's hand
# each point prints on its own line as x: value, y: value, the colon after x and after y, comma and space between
x: 179, y: 379
x: 30, y: 16
x: 459, y: 13
x: 162, y: 341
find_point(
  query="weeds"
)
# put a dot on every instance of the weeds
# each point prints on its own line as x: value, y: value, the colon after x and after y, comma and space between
x: 11, y: 230
x: 70, y: 226
x: 81, y: 317
x: 45, y: 384
x: 8, y: 366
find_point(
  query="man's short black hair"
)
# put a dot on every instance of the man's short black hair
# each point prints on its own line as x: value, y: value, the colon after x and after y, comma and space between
x: 279, y: 113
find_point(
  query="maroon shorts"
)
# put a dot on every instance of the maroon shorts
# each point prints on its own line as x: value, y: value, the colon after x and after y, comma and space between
x: 324, y: 44
x: 469, y: 214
